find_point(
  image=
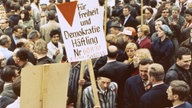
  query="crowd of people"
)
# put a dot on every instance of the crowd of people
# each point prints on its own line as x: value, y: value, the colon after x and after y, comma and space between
x: 148, y: 63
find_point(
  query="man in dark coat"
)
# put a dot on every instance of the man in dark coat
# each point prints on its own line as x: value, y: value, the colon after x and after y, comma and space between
x: 156, y: 97
x: 181, y: 69
x: 117, y: 71
x: 137, y: 85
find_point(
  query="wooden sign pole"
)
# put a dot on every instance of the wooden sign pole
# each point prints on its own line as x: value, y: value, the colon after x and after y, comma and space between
x: 105, y: 17
x: 93, y: 82
x: 78, y: 105
x: 141, y: 12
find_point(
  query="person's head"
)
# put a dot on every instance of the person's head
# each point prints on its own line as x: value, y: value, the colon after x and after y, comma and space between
x: 115, y: 28
x: 40, y: 47
x: 34, y: 35
x: 21, y: 57
x: 23, y: 43
x: 168, y: 5
x: 178, y: 90
x: 126, y: 10
x: 51, y: 15
x: 111, y: 39
x: 175, y: 11
x: 4, y: 23
x: 130, y: 49
x: 183, y: 58
x: 142, y: 53
x: 5, y: 41
x: 112, y: 52
x: 18, y: 31
x: 55, y: 35
x: 143, y: 68
x: 24, y: 14
x: 28, y: 8
x: 188, y: 15
x: 142, y: 30
x: 156, y: 73
x: 9, y: 73
x: 189, y: 5
x: 129, y: 34
x: 164, y: 31
x: 44, y: 7
x: 165, y: 12
x: 103, y: 82
x: 158, y: 23
x: 148, y: 12
x: 16, y: 86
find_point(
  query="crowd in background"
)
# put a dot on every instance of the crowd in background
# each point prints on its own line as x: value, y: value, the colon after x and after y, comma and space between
x: 148, y: 65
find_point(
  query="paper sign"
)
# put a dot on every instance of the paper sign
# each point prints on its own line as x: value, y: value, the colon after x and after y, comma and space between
x: 45, y: 86
x: 82, y: 29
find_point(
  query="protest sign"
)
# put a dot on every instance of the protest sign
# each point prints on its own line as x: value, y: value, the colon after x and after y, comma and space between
x: 82, y: 29
x: 44, y: 86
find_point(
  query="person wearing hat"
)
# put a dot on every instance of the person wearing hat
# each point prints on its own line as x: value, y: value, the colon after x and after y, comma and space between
x: 186, y: 28
x: 162, y: 48
x: 107, y: 93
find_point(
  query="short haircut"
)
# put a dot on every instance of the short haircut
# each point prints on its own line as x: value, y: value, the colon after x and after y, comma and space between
x: 4, y: 39
x: 180, y: 88
x: 157, y: 71
x: 22, y: 54
x: 16, y: 86
x: 182, y: 51
x: 128, y: 7
x: 8, y: 72
x: 144, y: 28
x: 176, y: 8
x: 54, y: 32
x: 112, y: 51
x: 145, y: 61
x: 40, y: 46
x: 33, y: 34
x: 16, y: 27
x: 131, y: 45
x: 149, y: 9
x: 51, y: 15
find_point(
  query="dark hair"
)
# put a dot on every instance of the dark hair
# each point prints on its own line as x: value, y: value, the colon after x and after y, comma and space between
x: 188, y: 11
x: 149, y: 9
x: 153, y: 3
x: 145, y: 61
x: 22, y: 54
x: 16, y: 86
x: 181, y: 89
x: 54, y: 32
x: 26, y: 15
x: 8, y: 72
x: 51, y: 15
x: 182, y: 51
x: 16, y: 27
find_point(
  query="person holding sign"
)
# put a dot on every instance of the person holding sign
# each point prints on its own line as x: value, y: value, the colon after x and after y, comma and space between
x: 107, y: 92
x: 55, y: 48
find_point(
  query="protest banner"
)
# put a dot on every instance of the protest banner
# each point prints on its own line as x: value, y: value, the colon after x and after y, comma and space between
x: 82, y: 29
x: 44, y: 86
x: 81, y: 25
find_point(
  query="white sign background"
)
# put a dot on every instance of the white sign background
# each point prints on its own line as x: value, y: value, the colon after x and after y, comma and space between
x: 79, y: 44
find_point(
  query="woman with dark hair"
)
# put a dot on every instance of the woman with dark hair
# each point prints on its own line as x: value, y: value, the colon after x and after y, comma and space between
x: 162, y: 48
x: 25, y: 19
